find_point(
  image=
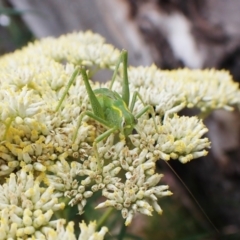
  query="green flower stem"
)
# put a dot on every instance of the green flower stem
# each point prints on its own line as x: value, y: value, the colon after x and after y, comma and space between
x: 122, y: 232
x: 103, y: 219
x: 204, y: 115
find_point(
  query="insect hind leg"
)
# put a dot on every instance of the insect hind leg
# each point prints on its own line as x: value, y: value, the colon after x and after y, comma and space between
x: 125, y: 88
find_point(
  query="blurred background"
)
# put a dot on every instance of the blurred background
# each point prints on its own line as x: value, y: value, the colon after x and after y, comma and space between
x: 172, y: 34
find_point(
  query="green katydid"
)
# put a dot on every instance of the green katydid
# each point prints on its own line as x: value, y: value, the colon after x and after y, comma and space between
x: 109, y: 108
x: 114, y: 111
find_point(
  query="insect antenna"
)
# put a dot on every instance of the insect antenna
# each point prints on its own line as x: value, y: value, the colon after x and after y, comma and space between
x: 194, y: 199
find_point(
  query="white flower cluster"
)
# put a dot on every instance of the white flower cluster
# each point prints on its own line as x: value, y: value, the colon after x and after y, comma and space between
x: 78, y: 48
x: 87, y: 232
x: 26, y: 209
x: 128, y: 179
x: 37, y: 132
x: 171, y: 91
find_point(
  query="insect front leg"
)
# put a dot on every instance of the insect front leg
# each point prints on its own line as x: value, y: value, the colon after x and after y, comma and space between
x: 100, y: 137
x: 91, y: 115
x: 72, y: 79
x: 147, y: 108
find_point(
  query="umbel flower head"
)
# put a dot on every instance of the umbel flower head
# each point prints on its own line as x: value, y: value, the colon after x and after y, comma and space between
x: 37, y: 135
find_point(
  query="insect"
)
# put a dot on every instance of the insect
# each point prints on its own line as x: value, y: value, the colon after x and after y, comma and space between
x: 114, y: 111
x: 109, y: 108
